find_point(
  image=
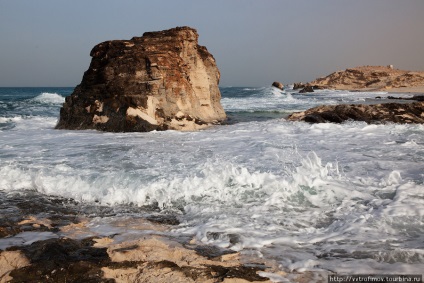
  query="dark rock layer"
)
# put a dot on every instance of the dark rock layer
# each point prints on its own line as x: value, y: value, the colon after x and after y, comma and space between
x: 378, y: 113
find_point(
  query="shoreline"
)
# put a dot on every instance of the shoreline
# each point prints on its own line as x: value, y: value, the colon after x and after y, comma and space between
x: 144, y: 253
x: 67, y: 245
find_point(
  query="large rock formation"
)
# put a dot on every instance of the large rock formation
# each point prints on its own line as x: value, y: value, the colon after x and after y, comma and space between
x: 370, y: 78
x: 377, y: 113
x: 162, y: 80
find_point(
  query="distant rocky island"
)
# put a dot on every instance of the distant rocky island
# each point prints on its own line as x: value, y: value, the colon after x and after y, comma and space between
x: 162, y: 80
x: 411, y: 113
x: 366, y: 78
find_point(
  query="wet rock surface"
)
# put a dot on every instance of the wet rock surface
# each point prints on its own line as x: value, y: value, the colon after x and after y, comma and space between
x: 60, y: 252
x: 154, y: 259
x: 162, y: 80
x: 377, y: 113
x: 30, y: 211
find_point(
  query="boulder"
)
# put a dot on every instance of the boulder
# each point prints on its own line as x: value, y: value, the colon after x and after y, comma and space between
x: 405, y: 113
x: 278, y: 85
x: 162, y: 80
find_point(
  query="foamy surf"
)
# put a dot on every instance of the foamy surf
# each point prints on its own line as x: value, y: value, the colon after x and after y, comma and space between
x: 49, y: 98
x: 321, y: 198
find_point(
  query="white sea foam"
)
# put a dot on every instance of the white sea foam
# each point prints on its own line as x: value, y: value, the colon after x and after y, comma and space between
x: 49, y: 98
x: 30, y: 122
x: 10, y: 119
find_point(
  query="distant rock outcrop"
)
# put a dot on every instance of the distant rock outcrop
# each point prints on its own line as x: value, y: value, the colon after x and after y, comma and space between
x: 370, y: 78
x: 162, y: 80
x: 306, y: 89
x: 298, y: 85
x: 278, y: 85
x: 377, y: 113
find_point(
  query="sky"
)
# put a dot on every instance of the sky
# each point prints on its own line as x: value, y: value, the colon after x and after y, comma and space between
x: 48, y: 42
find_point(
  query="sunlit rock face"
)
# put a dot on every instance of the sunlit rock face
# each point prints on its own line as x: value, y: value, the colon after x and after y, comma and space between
x: 370, y: 78
x: 162, y: 80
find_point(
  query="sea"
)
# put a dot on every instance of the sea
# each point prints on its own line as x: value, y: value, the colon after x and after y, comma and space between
x: 337, y: 198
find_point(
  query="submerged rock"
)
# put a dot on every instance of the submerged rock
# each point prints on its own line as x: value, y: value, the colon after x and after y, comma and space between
x: 388, y: 112
x: 162, y: 80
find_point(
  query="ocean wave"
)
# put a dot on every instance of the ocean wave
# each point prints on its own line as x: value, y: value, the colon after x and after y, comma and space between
x: 49, y: 98
x: 213, y: 181
x: 27, y: 122
x: 312, y: 213
x: 274, y: 91
x: 5, y: 120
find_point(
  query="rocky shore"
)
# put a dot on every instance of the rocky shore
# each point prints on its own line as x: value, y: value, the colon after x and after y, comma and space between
x: 51, y: 239
x: 150, y: 259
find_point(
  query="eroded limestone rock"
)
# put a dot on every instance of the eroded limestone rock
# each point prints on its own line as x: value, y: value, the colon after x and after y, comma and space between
x: 162, y: 80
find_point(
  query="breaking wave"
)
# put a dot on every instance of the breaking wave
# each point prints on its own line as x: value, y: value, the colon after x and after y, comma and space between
x: 49, y: 98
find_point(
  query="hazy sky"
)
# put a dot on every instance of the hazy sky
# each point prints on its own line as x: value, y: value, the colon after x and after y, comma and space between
x: 48, y: 42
